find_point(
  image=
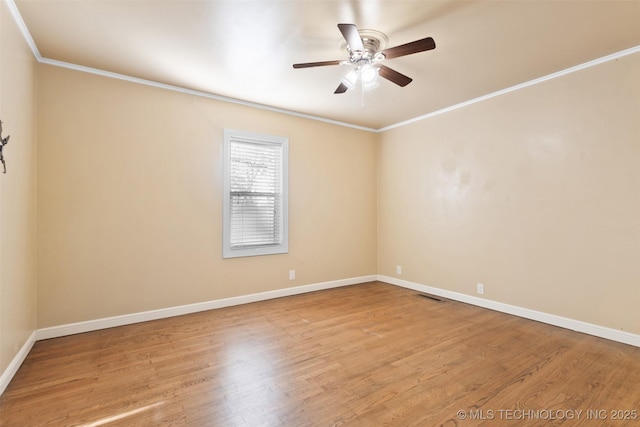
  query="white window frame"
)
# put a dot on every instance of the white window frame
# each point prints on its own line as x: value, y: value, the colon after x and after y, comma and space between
x: 231, y: 135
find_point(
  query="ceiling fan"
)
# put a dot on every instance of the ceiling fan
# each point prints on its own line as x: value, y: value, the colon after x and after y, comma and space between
x: 363, y: 49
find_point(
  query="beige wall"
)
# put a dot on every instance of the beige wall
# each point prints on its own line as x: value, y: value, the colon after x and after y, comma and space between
x: 130, y: 199
x: 535, y: 193
x: 17, y: 191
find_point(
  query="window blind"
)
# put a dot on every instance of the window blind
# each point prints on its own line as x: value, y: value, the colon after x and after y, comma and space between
x: 255, y: 194
x: 255, y: 175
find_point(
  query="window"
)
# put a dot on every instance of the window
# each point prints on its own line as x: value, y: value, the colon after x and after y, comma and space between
x: 255, y: 194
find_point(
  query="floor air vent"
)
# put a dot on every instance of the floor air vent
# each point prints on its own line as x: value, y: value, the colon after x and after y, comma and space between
x: 430, y: 297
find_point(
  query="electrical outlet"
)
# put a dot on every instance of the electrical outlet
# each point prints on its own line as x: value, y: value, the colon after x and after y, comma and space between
x: 398, y: 269
x: 480, y: 288
x: 292, y: 275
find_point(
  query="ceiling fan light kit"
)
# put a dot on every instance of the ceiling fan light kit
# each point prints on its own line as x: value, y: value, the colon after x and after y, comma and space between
x: 367, y: 75
x: 366, y: 50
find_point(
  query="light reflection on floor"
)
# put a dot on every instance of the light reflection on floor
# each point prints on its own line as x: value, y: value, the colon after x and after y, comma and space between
x: 120, y: 416
x: 248, y: 387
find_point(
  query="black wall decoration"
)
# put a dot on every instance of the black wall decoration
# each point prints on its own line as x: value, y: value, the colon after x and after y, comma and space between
x: 3, y: 141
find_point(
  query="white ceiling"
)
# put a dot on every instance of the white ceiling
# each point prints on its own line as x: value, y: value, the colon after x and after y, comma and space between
x: 245, y: 49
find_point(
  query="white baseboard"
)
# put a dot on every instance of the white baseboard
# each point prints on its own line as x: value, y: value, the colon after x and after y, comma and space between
x: 109, y: 322
x: 127, y: 319
x: 13, y: 367
x: 551, y: 319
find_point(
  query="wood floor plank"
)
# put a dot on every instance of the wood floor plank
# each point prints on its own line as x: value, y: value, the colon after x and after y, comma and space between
x: 362, y: 355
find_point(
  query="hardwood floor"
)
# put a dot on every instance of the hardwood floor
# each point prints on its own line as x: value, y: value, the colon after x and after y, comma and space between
x: 364, y: 355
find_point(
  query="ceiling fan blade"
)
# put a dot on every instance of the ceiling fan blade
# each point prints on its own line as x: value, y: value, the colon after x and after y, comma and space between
x: 352, y: 36
x: 341, y: 89
x: 394, y: 76
x: 316, y: 64
x: 409, y: 48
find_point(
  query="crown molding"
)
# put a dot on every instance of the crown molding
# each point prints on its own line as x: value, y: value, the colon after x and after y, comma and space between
x: 13, y: 9
x: 570, y: 70
x: 195, y: 92
x: 32, y: 45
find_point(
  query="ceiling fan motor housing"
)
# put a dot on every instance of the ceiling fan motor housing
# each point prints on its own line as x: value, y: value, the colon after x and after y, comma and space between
x: 373, y: 42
